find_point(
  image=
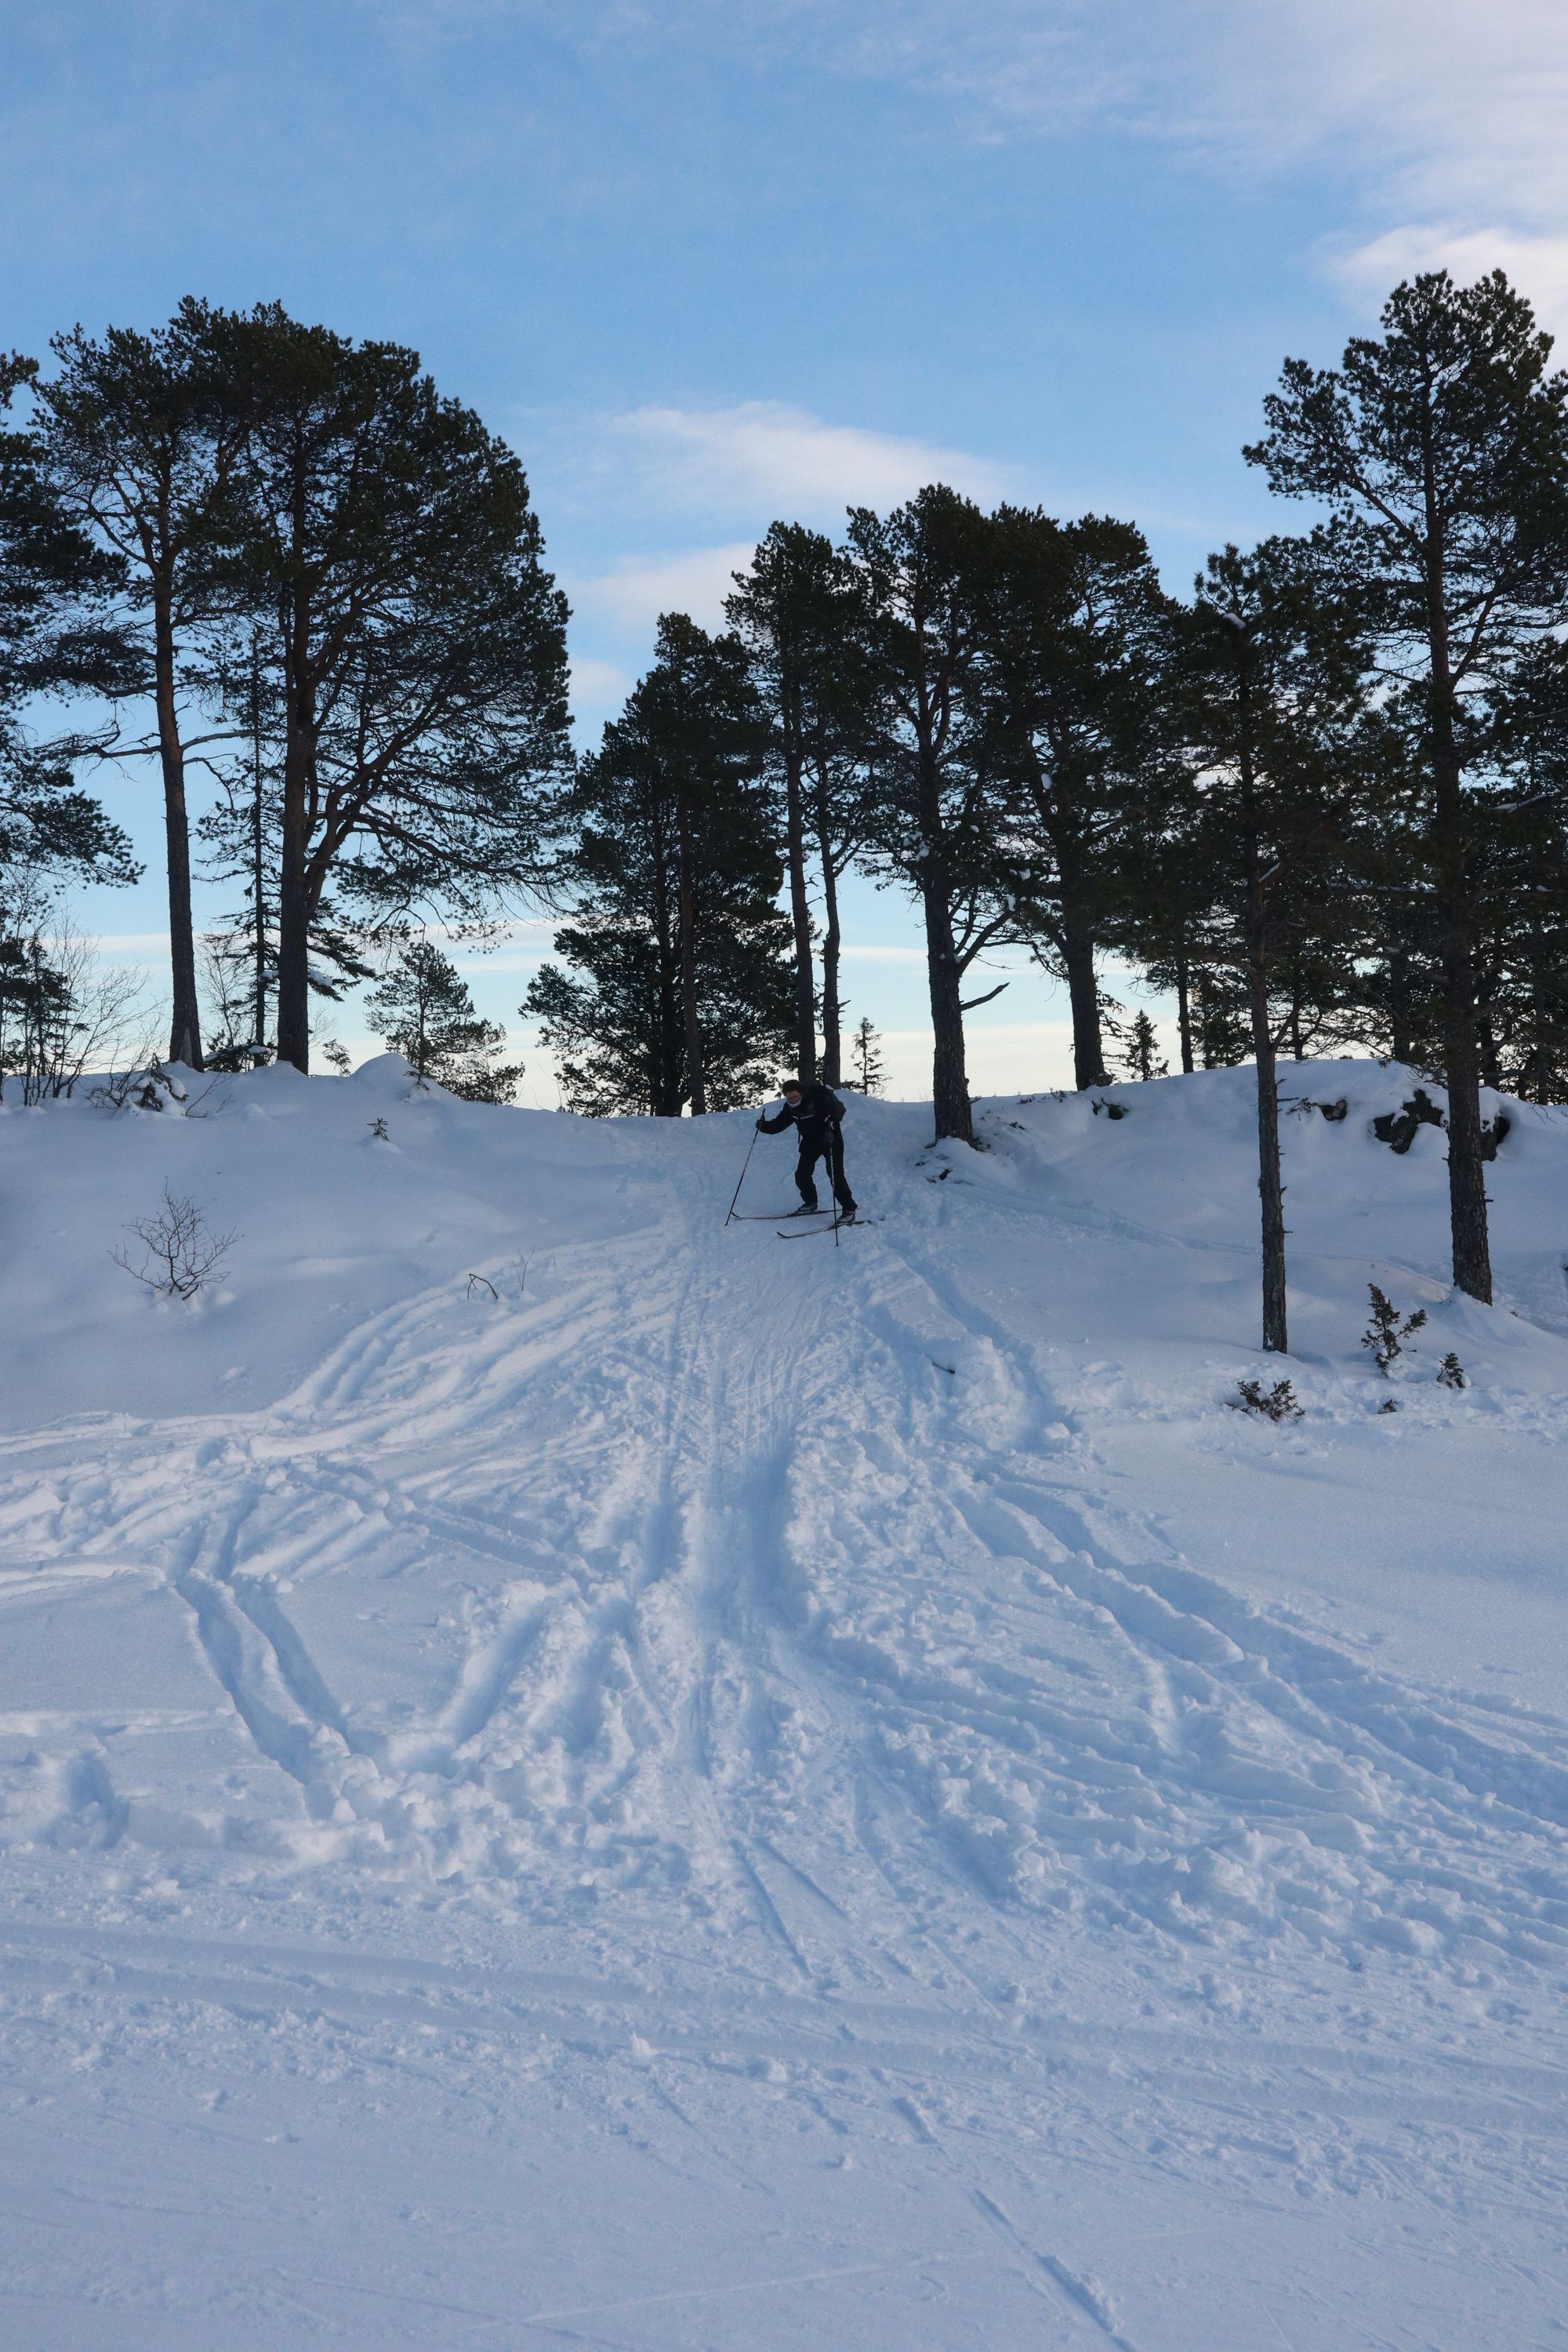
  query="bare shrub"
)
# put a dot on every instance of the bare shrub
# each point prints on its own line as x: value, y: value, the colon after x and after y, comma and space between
x: 181, y: 1253
x: 61, y: 1012
x: 143, y: 1084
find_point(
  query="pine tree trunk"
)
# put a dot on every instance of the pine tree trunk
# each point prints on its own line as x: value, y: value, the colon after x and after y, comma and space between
x: 1270, y: 1188
x: 1083, y: 996
x: 696, y: 1082
x: 1185, y: 1012
x: 1492, y: 1065
x: 257, y: 860
x: 832, y: 1043
x: 950, y: 1084
x: 1466, y: 1169
x: 184, y: 1022
x: 1467, y: 1176
x: 293, y: 913
x: 1538, y: 1064
x: 258, y: 889
x: 799, y: 908
x: 666, y: 1092
x: 1402, y: 1040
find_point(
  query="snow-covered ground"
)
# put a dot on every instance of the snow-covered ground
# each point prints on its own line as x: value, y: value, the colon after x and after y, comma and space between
x: 732, y: 1795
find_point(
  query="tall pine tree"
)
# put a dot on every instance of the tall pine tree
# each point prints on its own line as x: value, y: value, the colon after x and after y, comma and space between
x: 799, y: 612
x: 681, y: 990
x: 1273, y: 704
x: 141, y: 433
x: 1077, y: 638
x: 58, y: 637
x: 940, y: 801
x: 1441, y: 449
x: 383, y: 540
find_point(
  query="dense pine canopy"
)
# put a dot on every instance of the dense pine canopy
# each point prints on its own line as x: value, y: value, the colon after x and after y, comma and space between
x: 1320, y: 803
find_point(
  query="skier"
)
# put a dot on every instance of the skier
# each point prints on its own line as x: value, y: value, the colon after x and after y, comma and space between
x: 818, y: 1112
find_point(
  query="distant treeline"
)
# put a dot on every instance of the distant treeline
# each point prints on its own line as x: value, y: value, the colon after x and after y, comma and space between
x: 1321, y: 804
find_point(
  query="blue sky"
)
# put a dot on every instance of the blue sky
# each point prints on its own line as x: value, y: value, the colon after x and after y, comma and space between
x: 704, y: 262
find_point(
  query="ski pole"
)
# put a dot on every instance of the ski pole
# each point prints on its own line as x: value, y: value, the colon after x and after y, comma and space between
x: 745, y: 1165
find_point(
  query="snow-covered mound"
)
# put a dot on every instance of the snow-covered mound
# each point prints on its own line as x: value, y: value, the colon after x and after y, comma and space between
x: 569, y: 1769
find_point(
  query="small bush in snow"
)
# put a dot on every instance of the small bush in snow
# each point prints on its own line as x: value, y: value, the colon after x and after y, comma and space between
x: 1277, y: 1403
x: 1451, y: 1373
x: 378, y: 1133
x: 181, y: 1253
x: 1386, y: 1334
x: 144, y: 1085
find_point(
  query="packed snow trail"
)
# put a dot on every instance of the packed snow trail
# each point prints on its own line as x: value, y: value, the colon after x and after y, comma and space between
x: 726, y: 1742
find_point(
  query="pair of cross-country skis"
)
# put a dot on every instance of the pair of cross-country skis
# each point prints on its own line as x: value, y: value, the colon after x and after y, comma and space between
x: 796, y: 1219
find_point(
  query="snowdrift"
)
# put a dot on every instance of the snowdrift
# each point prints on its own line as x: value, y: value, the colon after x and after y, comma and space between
x: 566, y: 1769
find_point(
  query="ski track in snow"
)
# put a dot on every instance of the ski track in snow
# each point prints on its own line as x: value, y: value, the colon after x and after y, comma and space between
x: 768, y: 1602
x: 718, y: 1573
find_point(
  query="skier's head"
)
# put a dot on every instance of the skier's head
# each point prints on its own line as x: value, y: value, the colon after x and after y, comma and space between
x: 790, y: 1089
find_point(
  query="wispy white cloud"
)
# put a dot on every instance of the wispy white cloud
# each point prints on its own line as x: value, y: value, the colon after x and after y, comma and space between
x: 595, y: 684
x: 636, y: 592
x: 1442, y: 120
x: 766, y: 456
x: 1451, y: 98
x: 1538, y: 266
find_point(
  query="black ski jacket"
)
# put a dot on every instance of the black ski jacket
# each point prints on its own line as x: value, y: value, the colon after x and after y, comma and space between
x: 818, y: 1110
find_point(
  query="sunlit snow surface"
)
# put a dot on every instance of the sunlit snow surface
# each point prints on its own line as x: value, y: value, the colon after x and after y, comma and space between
x: 777, y: 1798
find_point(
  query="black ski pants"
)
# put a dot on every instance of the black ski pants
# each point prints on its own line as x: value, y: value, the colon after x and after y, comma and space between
x: 822, y: 1143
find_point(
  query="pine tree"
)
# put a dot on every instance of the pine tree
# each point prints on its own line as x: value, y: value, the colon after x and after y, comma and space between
x: 1139, y: 1048
x: 141, y: 433
x: 938, y: 799
x: 423, y: 1009
x: 1075, y: 631
x: 1441, y: 449
x: 57, y: 634
x: 384, y: 541
x: 681, y: 990
x: 241, y: 836
x: 799, y: 613
x: 1519, y: 892
x: 1273, y: 702
x: 778, y: 612
x: 869, y: 1070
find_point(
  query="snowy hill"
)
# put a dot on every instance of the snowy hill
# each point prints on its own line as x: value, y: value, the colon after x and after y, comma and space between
x: 688, y: 1792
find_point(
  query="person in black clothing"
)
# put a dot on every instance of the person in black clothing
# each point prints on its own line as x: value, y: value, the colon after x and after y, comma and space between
x: 815, y: 1111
